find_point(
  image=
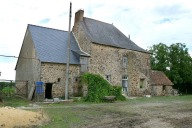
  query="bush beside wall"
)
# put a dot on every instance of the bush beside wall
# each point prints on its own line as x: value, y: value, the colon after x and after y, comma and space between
x: 98, y: 88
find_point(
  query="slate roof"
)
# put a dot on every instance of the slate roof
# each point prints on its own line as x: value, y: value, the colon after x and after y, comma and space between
x: 107, y: 34
x: 51, y: 45
x: 159, y: 78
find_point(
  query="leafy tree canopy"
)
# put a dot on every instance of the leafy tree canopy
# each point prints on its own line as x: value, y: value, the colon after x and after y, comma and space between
x: 174, y: 60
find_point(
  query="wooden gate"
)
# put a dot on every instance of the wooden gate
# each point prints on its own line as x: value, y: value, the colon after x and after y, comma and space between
x: 21, y: 88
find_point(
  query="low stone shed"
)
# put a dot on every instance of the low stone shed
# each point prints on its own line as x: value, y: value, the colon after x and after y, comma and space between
x: 160, y: 84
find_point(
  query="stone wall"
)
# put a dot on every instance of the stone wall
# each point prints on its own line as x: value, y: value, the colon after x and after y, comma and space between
x: 169, y: 90
x: 56, y: 74
x: 159, y: 90
x: 107, y: 60
x: 83, y: 41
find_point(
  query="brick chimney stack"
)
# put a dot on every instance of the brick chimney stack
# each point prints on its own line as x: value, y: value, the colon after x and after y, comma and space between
x: 79, y: 16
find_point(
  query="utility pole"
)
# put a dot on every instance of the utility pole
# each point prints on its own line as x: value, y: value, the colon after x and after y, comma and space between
x: 68, y: 56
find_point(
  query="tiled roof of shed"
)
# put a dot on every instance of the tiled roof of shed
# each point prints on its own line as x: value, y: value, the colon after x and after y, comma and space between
x: 159, y: 78
x: 51, y: 44
x: 107, y: 34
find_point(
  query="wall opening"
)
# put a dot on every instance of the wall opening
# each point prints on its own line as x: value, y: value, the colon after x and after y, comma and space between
x: 141, y: 83
x: 164, y: 88
x: 48, y: 90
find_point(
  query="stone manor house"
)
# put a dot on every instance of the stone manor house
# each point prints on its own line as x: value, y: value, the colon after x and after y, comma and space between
x: 96, y: 47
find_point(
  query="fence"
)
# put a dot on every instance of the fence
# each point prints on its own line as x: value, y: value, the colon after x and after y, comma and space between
x: 21, y: 88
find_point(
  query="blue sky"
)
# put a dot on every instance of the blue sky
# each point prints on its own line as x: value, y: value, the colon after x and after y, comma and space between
x: 147, y: 22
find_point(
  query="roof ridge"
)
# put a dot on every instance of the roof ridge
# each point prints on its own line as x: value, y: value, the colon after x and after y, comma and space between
x: 98, y: 21
x: 46, y: 27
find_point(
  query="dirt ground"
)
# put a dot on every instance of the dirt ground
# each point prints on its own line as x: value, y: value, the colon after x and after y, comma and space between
x: 147, y: 115
x: 158, y: 114
x: 17, y: 118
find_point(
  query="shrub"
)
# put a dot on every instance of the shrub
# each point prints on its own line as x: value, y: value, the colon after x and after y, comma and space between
x: 116, y: 91
x: 98, y: 87
x: 8, y: 91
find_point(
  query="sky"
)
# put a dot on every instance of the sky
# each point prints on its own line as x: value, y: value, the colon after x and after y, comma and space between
x: 148, y: 22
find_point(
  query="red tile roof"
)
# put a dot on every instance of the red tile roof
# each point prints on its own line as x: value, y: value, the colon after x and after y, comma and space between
x: 159, y: 78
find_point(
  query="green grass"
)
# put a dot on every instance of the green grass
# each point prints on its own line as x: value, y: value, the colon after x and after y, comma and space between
x: 69, y: 117
x: 160, y: 99
x: 14, y: 102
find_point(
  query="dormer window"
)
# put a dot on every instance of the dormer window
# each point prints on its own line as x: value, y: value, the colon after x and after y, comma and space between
x: 125, y: 61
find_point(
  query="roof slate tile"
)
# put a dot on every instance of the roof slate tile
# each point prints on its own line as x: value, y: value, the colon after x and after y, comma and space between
x: 51, y: 44
x: 107, y: 34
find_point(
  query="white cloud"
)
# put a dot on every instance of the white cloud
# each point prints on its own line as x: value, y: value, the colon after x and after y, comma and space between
x: 148, y: 22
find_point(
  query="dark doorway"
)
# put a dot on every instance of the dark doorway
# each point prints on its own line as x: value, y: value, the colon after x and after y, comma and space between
x: 48, y: 90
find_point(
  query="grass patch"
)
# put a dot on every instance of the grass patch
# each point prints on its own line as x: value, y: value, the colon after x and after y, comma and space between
x: 70, y: 117
x: 14, y: 102
x: 162, y: 99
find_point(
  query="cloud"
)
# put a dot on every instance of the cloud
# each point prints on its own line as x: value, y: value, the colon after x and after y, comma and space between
x: 169, y: 10
x: 44, y: 21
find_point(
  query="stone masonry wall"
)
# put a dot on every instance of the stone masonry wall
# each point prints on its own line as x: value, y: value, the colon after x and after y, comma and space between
x: 50, y: 73
x: 158, y: 90
x: 106, y: 60
x: 83, y: 40
x: 169, y: 90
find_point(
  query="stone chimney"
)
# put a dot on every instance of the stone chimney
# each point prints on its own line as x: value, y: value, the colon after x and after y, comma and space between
x: 79, y: 16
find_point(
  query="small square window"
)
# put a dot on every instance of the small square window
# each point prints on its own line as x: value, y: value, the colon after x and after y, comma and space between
x: 125, y: 62
x: 108, y: 77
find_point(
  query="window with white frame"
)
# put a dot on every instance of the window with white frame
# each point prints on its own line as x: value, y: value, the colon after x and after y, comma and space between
x: 125, y: 81
x: 84, y: 63
x: 125, y: 61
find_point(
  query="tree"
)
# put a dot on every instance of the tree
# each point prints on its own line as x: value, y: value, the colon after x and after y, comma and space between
x: 159, y: 57
x: 176, y: 62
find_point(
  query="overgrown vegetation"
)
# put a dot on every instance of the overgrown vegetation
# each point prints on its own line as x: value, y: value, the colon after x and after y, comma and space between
x: 6, y: 89
x: 98, y: 88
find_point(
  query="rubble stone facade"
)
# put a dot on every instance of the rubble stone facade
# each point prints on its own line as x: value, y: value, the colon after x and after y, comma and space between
x: 160, y: 90
x: 108, y: 61
x: 55, y: 74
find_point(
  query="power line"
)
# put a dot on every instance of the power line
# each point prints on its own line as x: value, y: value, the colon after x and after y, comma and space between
x: 9, y: 56
x: 18, y: 57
